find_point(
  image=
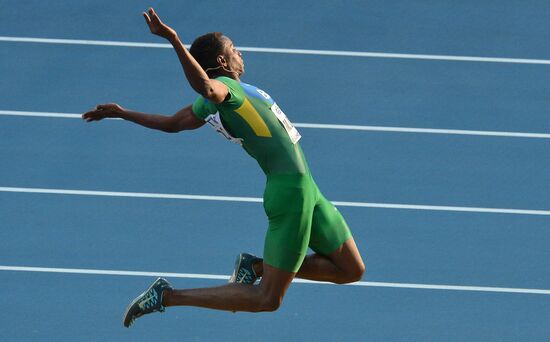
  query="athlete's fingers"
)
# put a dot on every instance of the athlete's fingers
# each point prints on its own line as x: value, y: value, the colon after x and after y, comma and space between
x: 89, y: 119
x: 147, y: 19
x: 90, y: 116
x: 154, y: 15
x: 99, y: 111
x: 151, y: 13
x: 96, y: 117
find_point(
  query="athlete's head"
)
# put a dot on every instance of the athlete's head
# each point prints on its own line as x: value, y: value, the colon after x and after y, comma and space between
x: 217, y: 55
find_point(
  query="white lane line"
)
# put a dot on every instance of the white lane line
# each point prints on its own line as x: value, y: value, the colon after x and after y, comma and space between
x: 112, y: 272
x: 426, y: 130
x: 259, y: 200
x: 131, y: 194
x: 84, y: 42
x: 334, y: 127
x: 223, y: 277
x: 287, y: 51
x: 40, y: 114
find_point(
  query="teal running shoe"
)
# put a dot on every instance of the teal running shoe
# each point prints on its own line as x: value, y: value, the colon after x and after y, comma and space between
x: 148, y: 302
x: 244, y: 272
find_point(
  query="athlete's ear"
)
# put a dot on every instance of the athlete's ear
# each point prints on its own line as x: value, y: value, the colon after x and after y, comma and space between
x: 221, y: 60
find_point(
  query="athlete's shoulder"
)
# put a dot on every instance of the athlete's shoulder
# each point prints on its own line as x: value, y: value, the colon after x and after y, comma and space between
x: 256, y: 92
x: 236, y: 93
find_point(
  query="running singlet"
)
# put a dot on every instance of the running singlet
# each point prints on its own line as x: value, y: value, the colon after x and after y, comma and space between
x: 251, y: 118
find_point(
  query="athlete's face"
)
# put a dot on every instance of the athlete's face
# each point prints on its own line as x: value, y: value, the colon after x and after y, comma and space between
x: 233, y: 57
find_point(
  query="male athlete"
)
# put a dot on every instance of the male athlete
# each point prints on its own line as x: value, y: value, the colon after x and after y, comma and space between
x: 299, y: 216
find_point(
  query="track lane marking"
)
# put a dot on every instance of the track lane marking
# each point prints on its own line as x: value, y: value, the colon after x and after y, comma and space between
x: 451, y: 58
x: 302, y: 281
x: 331, y: 126
x: 260, y: 200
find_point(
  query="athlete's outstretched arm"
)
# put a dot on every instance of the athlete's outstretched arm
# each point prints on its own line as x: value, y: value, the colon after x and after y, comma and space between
x: 213, y: 90
x: 184, y: 119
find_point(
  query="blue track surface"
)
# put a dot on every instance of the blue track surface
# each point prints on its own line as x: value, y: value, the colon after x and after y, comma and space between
x: 202, y: 237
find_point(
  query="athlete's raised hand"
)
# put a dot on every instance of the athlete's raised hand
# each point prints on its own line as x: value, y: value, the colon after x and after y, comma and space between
x: 100, y: 112
x: 157, y: 26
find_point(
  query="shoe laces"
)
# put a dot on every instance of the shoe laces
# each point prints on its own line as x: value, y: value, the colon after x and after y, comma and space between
x: 244, y: 275
x: 150, y: 300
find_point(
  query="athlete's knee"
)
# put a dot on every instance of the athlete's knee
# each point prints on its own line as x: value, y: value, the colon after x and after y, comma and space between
x: 353, y: 273
x: 271, y: 302
x: 357, y: 272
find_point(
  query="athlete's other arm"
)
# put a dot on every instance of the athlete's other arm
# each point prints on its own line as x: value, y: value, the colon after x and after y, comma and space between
x: 184, y: 119
x: 213, y: 90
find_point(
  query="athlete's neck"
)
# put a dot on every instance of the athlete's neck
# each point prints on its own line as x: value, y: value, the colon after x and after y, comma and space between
x: 232, y: 75
x: 218, y: 72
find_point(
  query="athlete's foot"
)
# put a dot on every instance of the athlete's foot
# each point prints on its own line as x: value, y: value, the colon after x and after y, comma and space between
x: 148, y: 302
x: 246, y: 269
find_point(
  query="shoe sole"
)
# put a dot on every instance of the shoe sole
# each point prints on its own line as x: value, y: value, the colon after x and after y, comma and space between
x: 233, y: 278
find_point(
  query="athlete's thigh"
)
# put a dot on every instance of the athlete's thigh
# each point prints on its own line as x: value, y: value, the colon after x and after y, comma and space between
x: 329, y: 230
x: 288, y: 203
x: 348, y: 258
x: 286, y: 241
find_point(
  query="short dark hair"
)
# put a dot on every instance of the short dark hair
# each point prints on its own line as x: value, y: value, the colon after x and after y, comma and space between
x: 206, y: 49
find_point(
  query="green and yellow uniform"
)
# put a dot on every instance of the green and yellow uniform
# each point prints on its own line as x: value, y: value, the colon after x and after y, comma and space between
x: 299, y: 215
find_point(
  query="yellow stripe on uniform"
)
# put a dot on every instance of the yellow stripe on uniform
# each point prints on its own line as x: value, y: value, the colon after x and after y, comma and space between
x: 253, y: 118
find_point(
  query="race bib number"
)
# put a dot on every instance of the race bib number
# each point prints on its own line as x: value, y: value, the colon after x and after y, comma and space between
x: 215, y: 121
x: 288, y: 126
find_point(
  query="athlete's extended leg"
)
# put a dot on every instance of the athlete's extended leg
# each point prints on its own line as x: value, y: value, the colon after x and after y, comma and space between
x: 266, y: 296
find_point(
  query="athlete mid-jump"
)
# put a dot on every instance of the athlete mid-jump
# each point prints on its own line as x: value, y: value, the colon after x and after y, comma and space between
x: 299, y: 216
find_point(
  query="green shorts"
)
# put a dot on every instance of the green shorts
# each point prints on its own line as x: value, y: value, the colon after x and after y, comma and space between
x: 299, y: 217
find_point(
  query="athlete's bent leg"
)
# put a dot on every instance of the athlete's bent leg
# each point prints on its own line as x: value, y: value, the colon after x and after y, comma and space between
x: 266, y: 296
x: 342, y: 266
x: 337, y: 258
